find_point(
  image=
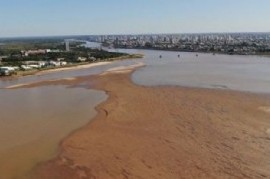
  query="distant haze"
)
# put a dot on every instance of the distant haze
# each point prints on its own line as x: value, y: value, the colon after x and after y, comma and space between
x: 70, y: 17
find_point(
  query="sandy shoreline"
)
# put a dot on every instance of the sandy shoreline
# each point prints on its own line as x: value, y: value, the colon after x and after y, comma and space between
x: 165, y: 132
x: 73, y: 67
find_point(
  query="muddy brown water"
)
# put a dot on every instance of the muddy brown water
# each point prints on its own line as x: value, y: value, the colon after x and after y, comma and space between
x: 34, y: 121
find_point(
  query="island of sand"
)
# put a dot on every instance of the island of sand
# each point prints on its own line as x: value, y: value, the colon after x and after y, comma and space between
x: 164, y: 132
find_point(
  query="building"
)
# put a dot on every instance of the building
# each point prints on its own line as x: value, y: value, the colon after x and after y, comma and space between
x: 81, y: 59
x: 67, y: 45
x: 35, y: 64
x: 7, y: 71
x: 33, y: 52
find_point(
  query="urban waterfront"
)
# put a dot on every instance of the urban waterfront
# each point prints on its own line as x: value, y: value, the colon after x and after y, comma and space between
x: 226, y: 43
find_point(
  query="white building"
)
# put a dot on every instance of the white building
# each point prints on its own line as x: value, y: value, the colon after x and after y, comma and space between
x: 35, y: 64
x: 81, y: 59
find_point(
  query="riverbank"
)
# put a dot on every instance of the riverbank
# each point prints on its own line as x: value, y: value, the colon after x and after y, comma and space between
x: 267, y: 54
x: 72, y: 66
x: 165, y: 132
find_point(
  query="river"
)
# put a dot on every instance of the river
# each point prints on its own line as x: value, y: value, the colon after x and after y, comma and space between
x: 34, y: 121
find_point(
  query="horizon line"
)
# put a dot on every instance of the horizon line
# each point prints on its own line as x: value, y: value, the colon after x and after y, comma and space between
x: 128, y: 34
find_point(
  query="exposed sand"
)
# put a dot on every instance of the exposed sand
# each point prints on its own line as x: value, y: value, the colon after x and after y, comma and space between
x: 123, y: 69
x: 165, y: 132
x: 74, y: 67
x: 30, y: 84
x: 265, y: 108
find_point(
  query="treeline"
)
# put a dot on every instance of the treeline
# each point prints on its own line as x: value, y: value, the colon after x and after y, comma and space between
x: 97, y: 53
x: 16, y: 59
x: 15, y: 47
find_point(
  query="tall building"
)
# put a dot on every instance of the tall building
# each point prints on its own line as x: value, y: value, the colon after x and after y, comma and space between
x: 67, y: 45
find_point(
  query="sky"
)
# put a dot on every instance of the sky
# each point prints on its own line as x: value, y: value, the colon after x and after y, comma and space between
x: 98, y: 17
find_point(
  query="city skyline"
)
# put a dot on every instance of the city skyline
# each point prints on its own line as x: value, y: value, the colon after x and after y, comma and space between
x: 54, y: 18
